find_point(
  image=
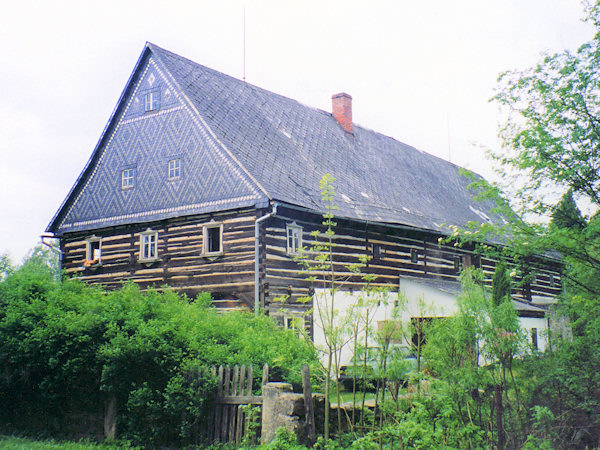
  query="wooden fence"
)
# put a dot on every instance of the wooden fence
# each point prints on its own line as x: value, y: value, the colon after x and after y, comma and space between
x: 228, y: 423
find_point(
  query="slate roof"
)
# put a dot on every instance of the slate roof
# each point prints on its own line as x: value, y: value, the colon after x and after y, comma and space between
x: 279, y: 150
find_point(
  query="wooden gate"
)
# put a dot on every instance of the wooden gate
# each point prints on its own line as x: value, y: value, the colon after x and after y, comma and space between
x: 228, y: 423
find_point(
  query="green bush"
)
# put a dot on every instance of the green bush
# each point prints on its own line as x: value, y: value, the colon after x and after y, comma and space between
x: 67, y: 348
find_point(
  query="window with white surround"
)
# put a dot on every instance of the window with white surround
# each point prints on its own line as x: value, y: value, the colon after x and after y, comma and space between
x: 212, y: 238
x: 294, y: 238
x: 174, y: 169
x: 127, y: 178
x: 93, y: 251
x: 148, y: 245
x: 294, y: 322
x: 151, y: 101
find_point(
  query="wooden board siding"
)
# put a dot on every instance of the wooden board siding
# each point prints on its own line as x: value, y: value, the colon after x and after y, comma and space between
x: 181, y: 265
x: 353, y: 239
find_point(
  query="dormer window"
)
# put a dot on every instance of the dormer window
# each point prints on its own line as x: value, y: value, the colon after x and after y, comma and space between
x: 174, y: 169
x: 294, y: 238
x: 212, y: 234
x: 151, y: 101
x: 127, y: 178
x: 148, y: 245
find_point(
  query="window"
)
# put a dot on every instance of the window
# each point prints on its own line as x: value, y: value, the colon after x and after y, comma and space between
x: 458, y: 262
x: 294, y: 238
x: 471, y: 261
x: 148, y: 245
x: 93, y: 251
x: 294, y: 322
x: 414, y: 255
x: 213, y: 239
x: 151, y: 101
x: 376, y: 251
x: 534, y: 338
x: 127, y: 178
x: 174, y: 169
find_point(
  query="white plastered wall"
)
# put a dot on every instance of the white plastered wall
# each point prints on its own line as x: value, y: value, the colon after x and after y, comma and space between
x: 421, y: 299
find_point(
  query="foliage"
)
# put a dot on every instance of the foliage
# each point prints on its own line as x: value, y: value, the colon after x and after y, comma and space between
x: 550, y: 164
x: 66, y: 348
x: 18, y: 443
x: 500, y: 284
x: 566, y: 213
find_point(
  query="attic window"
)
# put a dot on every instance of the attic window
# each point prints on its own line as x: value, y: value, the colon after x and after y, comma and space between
x: 127, y: 178
x: 294, y: 238
x: 212, y: 239
x: 151, y: 101
x: 174, y: 169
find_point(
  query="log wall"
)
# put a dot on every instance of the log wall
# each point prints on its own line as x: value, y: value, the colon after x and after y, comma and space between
x: 391, y: 249
x: 230, y: 276
x: 180, y: 264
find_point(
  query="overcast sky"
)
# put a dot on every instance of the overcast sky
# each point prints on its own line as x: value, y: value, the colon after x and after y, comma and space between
x: 419, y: 71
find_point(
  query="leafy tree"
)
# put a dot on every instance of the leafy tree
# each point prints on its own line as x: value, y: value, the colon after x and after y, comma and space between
x: 551, y: 150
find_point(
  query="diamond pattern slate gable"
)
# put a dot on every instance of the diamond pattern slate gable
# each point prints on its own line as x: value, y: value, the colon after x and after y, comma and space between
x: 146, y: 141
x: 288, y: 147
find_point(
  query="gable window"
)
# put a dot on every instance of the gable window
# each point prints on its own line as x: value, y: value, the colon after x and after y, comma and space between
x: 127, y: 178
x: 151, y: 101
x: 294, y: 238
x: 93, y: 251
x: 148, y: 245
x: 174, y: 169
x: 212, y: 235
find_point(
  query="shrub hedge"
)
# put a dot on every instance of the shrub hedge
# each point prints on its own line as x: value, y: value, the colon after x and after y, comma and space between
x: 66, y: 348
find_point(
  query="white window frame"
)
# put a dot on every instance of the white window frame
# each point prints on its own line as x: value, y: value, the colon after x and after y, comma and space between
x: 151, y: 101
x: 205, y: 236
x: 148, y: 241
x: 293, y: 232
x: 296, y: 322
x: 174, y: 169
x: 128, y: 178
x: 91, y: 257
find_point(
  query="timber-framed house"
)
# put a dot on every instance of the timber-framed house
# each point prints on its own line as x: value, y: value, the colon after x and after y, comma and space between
x: 204, y: 182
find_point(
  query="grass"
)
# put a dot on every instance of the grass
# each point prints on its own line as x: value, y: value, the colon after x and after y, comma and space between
x: 346, y: 396
x: 11, y: 442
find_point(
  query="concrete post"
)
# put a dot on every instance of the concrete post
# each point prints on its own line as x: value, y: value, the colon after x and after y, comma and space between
x: 277, y: 410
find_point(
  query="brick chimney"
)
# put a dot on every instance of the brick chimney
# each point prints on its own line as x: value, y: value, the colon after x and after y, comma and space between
x: 342, y: 110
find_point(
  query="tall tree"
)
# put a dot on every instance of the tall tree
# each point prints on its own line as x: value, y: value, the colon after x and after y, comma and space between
x: 566, y: 213
x: 500, y: 284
